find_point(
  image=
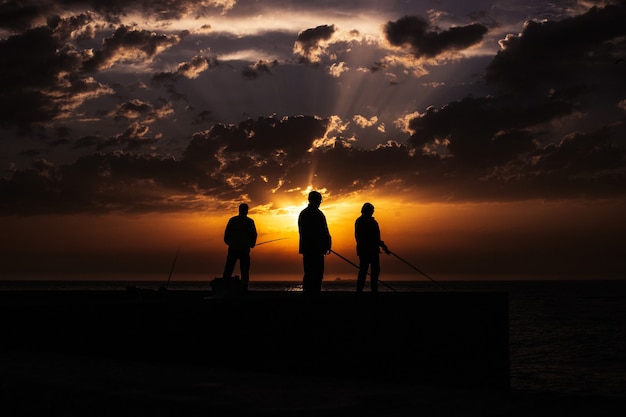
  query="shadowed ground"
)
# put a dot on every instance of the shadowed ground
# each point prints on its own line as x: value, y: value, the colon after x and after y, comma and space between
x: 141, y: 353
x: 82, y: 385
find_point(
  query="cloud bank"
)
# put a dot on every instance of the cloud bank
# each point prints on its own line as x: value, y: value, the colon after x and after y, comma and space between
x: 100, y: 115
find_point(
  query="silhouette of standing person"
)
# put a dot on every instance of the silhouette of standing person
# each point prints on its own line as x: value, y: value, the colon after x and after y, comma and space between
x: 240, y: 236
x: 368, y: 244
x: 315, y: 243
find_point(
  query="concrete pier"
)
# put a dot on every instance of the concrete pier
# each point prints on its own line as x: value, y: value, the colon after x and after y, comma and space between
x: 448, y: 339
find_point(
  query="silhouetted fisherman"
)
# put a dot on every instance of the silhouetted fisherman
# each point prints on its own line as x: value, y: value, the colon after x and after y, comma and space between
x: 315, y: 243
x: 240, y: 236
x: 368, y: 244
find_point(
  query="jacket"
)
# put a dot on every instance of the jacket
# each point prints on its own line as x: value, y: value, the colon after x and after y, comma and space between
x: 240, y: 233
x: 313, y: 229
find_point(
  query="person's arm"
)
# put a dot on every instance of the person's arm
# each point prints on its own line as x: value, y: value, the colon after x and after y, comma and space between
x: 254, y: 234
x: 380, y: 241
x: 330, y: 244
x: 330, y: 240
x: 385, y: 248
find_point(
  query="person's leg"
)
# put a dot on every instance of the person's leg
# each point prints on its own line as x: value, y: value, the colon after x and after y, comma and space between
x: 231, y: 259
x: 360, y: 280
x: 375, y: 268
x: 319, y: 273
x: 313, y: 272
x: 308, y: 273
x: 244, y: 266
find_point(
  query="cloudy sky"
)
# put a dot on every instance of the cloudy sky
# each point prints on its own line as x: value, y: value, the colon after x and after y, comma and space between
x: 489, y: 135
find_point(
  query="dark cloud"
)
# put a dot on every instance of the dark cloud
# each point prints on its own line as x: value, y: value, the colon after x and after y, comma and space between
x: 30, y: 64
x: 377, y: 66
x: 203, y: 117
x: 225, y: 161
x: 59, y: 142
x: 553, y: 126
x: 562, y: 54
x: 254, y: 71
x: 126, y: 43
x: 31, y: 153
x: 72, y: 26
x: 165, y: 78
x: 551, y: 72
x: 344, y: 169
x: 133, y: 109
x: 89, y: 141
x: 308, y: 41
x: 582, y: 165
x: 41, y: 77
x: 23, y: 14
x: 163, y: 9
x: 264, y: 157
x: 196, y: 65
x: 133, y: 138
x: 426, y: 41
x: 486, y: 131
x: 96, y: 183
x: 309, y: 38
x: 18, y: 15
x: 583, y: 154
x: 190, y: 69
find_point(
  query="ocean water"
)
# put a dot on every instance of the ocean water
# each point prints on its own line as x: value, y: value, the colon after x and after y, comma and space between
x: 565, y: 336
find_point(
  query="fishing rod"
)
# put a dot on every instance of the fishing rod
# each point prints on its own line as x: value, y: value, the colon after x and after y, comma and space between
x: 355, y: 265
x: 421, y: 272
x: 270, y: 241
x: 164, y: 287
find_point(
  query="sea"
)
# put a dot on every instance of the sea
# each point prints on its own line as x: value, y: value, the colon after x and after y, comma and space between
x: 566, y: 336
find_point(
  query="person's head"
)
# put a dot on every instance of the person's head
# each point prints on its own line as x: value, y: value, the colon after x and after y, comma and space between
x: 315, y: 198
x: 243, y: 209
x: 367, y: 209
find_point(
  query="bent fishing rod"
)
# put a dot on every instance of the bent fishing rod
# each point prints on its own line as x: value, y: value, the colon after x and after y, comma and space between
x: 355, y: 265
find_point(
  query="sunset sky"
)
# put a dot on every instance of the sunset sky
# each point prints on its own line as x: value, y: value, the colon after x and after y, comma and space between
x: 489, y: 135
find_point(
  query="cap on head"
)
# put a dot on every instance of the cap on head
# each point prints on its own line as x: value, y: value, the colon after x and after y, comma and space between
x: 367, y: 208
x: 315, y: 197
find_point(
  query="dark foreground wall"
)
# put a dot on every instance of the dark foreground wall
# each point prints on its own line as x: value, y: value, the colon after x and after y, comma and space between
x: 456, y: 339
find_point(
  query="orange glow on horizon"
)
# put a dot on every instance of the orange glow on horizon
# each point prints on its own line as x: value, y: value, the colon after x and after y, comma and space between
x: 437, y: 238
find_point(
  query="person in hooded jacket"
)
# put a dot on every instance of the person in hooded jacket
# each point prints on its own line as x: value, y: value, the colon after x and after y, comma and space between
x: 368, y: 244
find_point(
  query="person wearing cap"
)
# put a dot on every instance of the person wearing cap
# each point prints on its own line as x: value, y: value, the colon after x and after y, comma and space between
x: 368, y: 244
x: 240, y: 235
x: 315, y: 243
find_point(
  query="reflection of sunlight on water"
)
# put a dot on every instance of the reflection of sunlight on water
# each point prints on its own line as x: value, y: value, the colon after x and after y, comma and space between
x: 293, y: 288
